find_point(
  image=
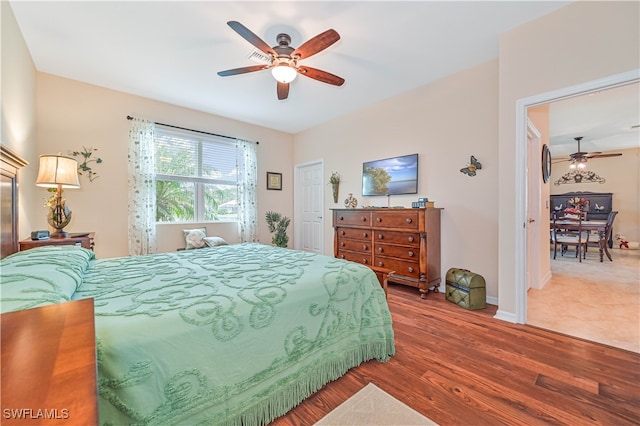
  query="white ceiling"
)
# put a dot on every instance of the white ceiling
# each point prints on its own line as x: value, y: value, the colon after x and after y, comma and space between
x: 605, y: 119
x: 171, y: 51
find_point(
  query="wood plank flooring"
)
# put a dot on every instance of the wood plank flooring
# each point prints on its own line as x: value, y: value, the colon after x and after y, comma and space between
x: 461, y: 367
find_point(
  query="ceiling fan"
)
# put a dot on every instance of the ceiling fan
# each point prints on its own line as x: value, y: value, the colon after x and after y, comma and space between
x: 579, y: 159
x: 283, y: 59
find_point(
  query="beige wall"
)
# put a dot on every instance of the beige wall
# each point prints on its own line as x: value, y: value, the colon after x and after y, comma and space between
x: 622, y: 175
x: 445, y: 122
x: 71, y: 114
x: 18, y: 126
x: 581, y: 42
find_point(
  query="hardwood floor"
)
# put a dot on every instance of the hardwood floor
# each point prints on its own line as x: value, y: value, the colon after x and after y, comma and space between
x: 461, y: 367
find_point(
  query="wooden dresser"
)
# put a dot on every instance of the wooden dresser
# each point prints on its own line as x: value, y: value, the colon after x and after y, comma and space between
x: 600, y: 203
x: 404, y: 241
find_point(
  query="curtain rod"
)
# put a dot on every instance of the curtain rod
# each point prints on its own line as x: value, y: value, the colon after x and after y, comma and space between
x: 191, y: 130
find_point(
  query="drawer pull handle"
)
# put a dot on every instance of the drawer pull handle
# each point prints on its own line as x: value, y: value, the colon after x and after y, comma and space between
x: 364, y: 219
x: 380, y: 236
x: 378, y: 219
x: 342, y: 243
x: 409, y: 220
x: 344, y: 233
x: 364, y: 235
x: 411, y: 254
x: 380, y: 249
x: 410, y: 269
x: 341, y: 217
x: 410, y: 239
x: 342, y: 256
x: 380, y: 264
x: 365, y: 247
x: 364, y: 261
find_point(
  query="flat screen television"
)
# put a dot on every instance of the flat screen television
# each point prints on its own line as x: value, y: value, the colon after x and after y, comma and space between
x: 391, y: 176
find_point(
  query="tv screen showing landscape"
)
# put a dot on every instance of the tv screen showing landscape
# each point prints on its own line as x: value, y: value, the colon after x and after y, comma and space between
x: 391, y: 176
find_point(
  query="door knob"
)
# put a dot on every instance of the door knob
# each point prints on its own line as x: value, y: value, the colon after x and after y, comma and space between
x: 531, y: 220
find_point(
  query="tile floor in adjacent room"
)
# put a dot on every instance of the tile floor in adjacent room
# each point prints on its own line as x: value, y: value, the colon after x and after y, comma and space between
x: 591, y: 300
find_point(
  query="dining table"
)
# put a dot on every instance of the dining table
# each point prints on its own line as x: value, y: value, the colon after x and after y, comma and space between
x: 589, y: 225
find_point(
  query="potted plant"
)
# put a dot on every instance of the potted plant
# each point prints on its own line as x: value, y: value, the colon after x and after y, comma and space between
x: 278, y: 226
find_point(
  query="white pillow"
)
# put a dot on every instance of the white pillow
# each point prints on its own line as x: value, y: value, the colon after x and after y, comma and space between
x: 194, y: 238
x: 215, y: 241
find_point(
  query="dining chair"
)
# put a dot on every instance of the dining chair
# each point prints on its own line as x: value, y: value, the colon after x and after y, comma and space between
x: 567, y: 231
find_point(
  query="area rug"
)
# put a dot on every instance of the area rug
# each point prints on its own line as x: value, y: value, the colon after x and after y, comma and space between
x: 372, y: 406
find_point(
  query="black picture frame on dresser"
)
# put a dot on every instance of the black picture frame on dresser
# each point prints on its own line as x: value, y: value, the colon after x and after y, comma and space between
x: 600, y: 204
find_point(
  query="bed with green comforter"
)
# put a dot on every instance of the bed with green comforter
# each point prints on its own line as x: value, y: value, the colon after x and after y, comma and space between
x: 232, y: 335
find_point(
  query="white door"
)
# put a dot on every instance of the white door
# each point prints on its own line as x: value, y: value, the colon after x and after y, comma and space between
x: 309, y: 207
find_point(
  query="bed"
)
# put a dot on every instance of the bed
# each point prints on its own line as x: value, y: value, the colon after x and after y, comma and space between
x: 236, y: 334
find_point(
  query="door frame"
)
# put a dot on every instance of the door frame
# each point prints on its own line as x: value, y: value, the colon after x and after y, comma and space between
x: 297, y: 208
x: 522, y: 178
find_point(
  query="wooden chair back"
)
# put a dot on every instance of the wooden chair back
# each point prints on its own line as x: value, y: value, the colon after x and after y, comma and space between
x: 567, y: 231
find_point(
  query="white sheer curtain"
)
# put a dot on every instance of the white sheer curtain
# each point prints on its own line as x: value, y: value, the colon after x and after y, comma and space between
x: 246, y: 160
x: 142, y: 188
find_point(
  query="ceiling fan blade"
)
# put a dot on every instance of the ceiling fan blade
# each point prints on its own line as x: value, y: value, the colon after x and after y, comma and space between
x: 243, y: 70
x: 604, y: 155
x: 320, y: 75
x: 560, y: 161
x: 283, y: 91
x: 316, y: 44
x: 251, y: 37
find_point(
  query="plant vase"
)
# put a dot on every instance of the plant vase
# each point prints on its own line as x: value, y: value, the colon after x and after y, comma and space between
x: 335, y: 187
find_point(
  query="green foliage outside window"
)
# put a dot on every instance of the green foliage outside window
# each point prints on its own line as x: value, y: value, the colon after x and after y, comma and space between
x: 195, y: 179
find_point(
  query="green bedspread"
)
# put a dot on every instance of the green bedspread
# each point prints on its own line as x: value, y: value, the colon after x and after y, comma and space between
x: 233, y: 335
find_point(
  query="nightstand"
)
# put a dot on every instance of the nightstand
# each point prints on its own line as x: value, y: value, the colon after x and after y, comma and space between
x: 86, y: 241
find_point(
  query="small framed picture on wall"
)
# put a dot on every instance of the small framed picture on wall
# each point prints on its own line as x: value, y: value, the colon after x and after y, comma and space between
x: 274, y: 181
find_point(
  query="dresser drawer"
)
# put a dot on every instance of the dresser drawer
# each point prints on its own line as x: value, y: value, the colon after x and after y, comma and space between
x: 404, y: 268
x: 402, y: 252
x: 352, y: 256
x: 391, y: 237
x: 354, y: 245
x: 352, y: 218
x: 354, y: 234
x: 390, y: 219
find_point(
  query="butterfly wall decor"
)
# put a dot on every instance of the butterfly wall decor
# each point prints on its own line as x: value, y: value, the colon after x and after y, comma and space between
x: 472, y: 167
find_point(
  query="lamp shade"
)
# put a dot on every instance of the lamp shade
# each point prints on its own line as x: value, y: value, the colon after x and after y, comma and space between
x: 57, y: 170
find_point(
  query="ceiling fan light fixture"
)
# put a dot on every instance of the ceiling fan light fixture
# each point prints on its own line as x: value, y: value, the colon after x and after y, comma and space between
x: 284, y: 73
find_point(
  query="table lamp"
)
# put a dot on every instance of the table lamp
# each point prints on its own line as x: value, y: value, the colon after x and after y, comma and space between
x: 58, y: 171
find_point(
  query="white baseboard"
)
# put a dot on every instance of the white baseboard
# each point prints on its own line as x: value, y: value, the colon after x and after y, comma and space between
x: 543, y: 281
x: 505, y: 316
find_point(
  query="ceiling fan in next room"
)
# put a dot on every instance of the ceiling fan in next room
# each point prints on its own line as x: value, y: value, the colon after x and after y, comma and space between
x: 283, y: 59
x: 578, y: 160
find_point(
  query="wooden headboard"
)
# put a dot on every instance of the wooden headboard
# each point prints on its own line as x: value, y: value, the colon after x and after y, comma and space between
x: 10, y: 163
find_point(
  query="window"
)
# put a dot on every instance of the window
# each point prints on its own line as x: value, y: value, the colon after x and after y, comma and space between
x: 196, y: 177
